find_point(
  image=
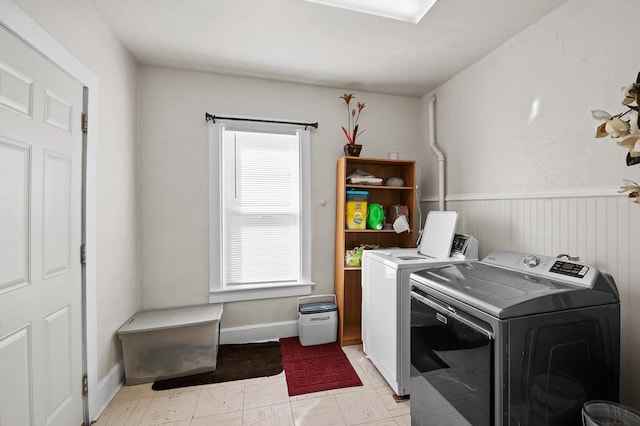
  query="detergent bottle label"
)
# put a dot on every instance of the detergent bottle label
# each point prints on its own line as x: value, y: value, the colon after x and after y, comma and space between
x: 356, y: 215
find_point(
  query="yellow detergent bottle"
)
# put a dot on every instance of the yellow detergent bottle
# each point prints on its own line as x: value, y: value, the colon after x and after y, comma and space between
x: 356, y: 211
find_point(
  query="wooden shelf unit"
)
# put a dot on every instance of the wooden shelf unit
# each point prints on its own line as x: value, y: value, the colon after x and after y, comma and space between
x: 347, y: 283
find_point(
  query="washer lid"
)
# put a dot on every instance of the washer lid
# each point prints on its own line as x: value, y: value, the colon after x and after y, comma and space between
x: 437, y: 236
x: 505, y: 293
x: 408, y: 258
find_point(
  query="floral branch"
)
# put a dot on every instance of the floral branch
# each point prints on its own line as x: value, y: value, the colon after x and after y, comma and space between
x: 616, y: 127
x: 352, y: 118
x: 633, y: 190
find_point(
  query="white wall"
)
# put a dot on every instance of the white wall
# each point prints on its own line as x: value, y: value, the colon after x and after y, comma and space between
x: 173, y: 174
x: 517, y: 122
x: 523, y: 166
x: 79, y: 28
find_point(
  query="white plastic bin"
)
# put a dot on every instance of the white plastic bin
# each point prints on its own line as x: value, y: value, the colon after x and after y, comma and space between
x: 317, y: 319
x: 170, y: 343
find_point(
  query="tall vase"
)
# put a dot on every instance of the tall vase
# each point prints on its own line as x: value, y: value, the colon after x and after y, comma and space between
x: 352, y: 150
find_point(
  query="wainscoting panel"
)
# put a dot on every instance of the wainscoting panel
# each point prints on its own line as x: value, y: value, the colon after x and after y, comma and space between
x: 603, y: 230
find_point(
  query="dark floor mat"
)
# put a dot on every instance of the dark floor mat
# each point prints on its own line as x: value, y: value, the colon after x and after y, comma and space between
x: 235, y: 362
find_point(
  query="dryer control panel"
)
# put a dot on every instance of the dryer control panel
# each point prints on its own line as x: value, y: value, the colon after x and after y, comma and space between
x: 571, y: 269
x: 549, y: 267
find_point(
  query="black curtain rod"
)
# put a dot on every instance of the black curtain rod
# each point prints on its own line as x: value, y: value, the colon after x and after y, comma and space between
x: 209, y: 117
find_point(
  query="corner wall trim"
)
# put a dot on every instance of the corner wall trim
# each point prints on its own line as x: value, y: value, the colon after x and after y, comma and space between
x: 109, y: 387
x: 602, y: 191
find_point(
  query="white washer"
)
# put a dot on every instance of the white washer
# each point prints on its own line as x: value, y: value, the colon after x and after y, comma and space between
x: 386, y: 302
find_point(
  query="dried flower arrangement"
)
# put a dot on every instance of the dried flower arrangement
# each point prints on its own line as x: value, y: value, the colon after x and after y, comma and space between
x: 617, y: 126
x: 351, y: 132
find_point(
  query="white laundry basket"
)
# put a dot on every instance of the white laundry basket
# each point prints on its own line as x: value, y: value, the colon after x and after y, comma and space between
x: 317, y: 319
x: 602, y: 413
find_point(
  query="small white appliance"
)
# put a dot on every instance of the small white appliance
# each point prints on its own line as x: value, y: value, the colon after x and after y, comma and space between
x: 317, y: 319
x: 386, y: 293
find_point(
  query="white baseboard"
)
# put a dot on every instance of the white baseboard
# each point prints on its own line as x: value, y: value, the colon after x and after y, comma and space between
x: 109, y: 387
x: 258, y: 332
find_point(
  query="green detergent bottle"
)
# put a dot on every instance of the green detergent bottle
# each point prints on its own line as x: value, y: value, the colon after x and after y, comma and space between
x: 375, y: 216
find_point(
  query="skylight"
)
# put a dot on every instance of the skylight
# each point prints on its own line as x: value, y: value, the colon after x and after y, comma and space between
x: 403, y: 10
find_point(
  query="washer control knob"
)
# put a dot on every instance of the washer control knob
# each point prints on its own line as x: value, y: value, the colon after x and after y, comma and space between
x: 532, y: 261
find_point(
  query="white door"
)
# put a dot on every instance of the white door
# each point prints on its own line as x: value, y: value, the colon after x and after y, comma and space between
x: 40, y: 237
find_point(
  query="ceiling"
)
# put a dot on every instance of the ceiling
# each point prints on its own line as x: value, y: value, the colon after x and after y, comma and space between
x: 303, y: 42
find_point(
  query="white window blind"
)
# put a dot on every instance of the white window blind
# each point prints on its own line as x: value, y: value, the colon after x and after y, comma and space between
x: 261, y: 208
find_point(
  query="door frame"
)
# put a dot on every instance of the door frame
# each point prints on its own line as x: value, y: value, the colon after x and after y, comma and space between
x: 22, y: 25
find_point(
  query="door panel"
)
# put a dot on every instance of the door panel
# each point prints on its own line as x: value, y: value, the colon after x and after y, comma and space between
x: 16, y: 90
x: 56, y: 230
x: 40, y: 225
x: 58, y: 370
x: 57, y: 112
x: 16, y: 364
x: 15, y: 163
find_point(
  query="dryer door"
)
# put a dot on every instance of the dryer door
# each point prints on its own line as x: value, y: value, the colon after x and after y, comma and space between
x: 451, y: 365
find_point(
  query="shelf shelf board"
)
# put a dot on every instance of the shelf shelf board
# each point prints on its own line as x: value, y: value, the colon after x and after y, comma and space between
x: 383, y: 187
x: 381, y: 161
x: 375, y: 231
x: 351, y: 335
x: 353, y: 268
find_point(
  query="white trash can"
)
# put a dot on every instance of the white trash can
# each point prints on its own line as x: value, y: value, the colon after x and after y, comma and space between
x: 317, y: 319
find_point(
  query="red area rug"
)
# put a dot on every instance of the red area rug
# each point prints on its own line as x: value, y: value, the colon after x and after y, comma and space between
x: 315, y: 368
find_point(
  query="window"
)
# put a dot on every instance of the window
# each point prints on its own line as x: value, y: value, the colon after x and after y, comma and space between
x: 259, y: 211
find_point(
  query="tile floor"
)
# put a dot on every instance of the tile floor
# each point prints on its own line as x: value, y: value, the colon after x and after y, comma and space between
x: 263, y: 402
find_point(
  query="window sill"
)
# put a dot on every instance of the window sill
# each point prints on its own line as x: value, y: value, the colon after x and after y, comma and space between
x: 255, y: 292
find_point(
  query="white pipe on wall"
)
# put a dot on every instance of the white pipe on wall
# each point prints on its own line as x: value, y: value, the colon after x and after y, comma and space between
x: 436, y: 150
